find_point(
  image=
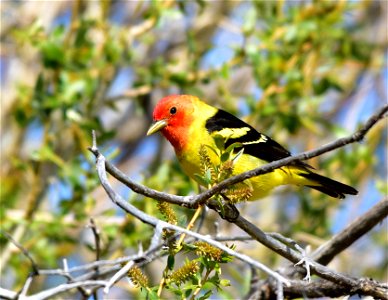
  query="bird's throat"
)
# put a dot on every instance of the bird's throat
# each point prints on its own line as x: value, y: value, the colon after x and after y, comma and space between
x: 178, y: 137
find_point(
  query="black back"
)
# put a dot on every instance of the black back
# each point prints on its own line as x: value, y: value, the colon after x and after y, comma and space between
x: 267, y: 150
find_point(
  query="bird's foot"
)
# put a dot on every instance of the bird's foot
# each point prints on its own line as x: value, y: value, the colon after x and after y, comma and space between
x: 226, y: 210
x: 306, y: 261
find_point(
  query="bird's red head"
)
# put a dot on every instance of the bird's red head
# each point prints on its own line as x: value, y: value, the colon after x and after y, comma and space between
x: 173, y: 116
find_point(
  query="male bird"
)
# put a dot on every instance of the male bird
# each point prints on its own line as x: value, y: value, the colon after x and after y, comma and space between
x: 187, y: 123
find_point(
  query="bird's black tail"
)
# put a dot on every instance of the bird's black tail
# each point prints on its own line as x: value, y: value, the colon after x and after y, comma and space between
x: 329, y: 186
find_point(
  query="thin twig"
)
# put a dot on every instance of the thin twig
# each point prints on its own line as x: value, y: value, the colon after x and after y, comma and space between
x: 96, y: 234
x: 7, y: 294
x: 70, y: 279
x: 26, y: 286
x: 101, y: 263
x: 241, y: 238
x: 123, y: 271
x: 34, y: 266
x: 66, y: 287
x: 190, y: 225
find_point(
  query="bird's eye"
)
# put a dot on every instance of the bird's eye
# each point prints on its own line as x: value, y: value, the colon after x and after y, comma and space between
x: 173, y: 110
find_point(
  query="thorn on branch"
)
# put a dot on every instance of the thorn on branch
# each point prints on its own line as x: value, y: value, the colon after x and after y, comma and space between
x: 26, y: 286
x: 121, y: 273
x: 94, y: 148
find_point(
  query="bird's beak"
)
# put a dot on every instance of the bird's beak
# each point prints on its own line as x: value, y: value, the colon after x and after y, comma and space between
x: 158, y: 125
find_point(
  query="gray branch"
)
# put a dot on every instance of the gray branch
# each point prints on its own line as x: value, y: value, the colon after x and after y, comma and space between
x: 338, y: 243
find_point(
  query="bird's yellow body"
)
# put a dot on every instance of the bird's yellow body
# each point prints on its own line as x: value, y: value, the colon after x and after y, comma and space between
x: 188, y: 123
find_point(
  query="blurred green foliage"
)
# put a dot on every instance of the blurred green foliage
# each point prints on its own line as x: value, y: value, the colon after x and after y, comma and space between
x: 302, y: 72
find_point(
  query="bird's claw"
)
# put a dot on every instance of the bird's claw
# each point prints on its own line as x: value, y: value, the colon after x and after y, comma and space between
x: 307, y: 261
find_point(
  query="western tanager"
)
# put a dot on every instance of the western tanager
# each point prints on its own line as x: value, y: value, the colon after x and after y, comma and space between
x: 187, y: 123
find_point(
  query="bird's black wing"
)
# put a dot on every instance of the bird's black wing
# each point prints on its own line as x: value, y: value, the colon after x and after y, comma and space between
x: 254, y: 142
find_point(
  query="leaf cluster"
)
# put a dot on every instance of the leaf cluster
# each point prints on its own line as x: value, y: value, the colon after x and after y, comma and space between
x: 198, y: 277
x: 217, y: 165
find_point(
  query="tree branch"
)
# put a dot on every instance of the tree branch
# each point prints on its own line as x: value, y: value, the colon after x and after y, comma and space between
x: 316, y: 268
x: 147, y: 219
x: 34, y: 266
x: 316, y: 289
x: 325, y: 253
x: 65, y: 287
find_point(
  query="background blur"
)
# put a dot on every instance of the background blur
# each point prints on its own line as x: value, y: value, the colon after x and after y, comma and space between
x: 303, y: 72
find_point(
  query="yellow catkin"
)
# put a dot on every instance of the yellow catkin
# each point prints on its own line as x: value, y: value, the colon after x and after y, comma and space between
x: 226, y: 169
x: 237, y: 195
x: 137, y: 277
x: 185, y: 272
x: 206, y: 163
x: 167, y: 211
x: 209, y: 251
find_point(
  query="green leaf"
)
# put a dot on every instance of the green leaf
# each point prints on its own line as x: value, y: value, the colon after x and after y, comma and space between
x: 189, y: 247
x: 21, y: 116
x: 53, y: 55
x: 201, y: 180
x: 212, y: 149
x: 169, y: 14
x: 234, y: 145
x: 188, y: 291
x: 225, y: 71
x: 291, y: 33
x: 219, y: 140
x: 225, y: 282
x: 47, y: 153
x: 179, y: 78
x: 225, y: 157
x: 152, y: 295
x: 112, y: 51
x: 170, y: 262
x: 58, y: 32
x: 81, y: 38
x: 206, y: 295
x: 238, y: 155
x: 250, y: 20
x: 39, y: 90
x: 208, y: 176
x: 73, y: 90
x: 229, y: 151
